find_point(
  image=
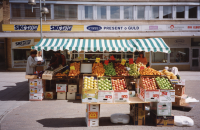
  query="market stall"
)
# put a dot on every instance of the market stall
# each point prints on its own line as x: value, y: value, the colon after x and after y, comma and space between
x: 108, y: 81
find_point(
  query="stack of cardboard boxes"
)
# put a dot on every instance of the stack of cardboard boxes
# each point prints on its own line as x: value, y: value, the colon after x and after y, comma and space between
x: 92, y: 115
x: 36, y: 90
x: 61, y: 90
x: 71, y: 94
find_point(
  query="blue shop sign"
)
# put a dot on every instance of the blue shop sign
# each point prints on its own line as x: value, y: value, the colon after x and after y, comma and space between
x: 94, y: 28
x: 26, y: 27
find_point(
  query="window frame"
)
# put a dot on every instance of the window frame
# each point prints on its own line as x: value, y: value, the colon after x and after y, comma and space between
x: 136, y: 12
x: 174, y: 63
x: 131, y: 10
x: 163, y: 13
x: 159, y: 12
x: 120, y: 13
x: 189, y: 14
x: 97, y: 12
x: 94, y: 12
x: 185, y: 13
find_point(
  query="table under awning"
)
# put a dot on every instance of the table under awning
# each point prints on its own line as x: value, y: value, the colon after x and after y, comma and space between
x: 151, y: 44
x: 86, y: 45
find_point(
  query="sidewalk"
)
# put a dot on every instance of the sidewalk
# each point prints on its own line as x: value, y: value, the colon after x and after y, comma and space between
x: 63, y: 114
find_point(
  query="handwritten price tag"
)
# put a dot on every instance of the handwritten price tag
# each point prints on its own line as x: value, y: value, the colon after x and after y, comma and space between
x: 123, y: 61
x: 131, y: 61
x: 72, y: 68
x: 106, y: 62
x: 97, y: 60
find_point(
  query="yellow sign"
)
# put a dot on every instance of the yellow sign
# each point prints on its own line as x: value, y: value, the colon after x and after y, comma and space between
x: 123, y: 61
x: 97, y: 60
x: 72, y: 68
x: 93, y: 115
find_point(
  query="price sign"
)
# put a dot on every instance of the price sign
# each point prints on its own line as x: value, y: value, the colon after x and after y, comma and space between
x: 72, y: 68
x: 97, y: 60
x: 131, y: 61
x: 123, y: 61
x: 142, y: 67
x: 112, y: 57
x: 106, y: 62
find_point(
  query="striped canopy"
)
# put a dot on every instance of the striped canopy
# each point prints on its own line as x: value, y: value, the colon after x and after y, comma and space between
x: 151, y: 44
x: 84, y: 45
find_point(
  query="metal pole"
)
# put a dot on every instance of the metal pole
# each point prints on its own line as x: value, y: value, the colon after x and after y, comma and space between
x: 40, y: 20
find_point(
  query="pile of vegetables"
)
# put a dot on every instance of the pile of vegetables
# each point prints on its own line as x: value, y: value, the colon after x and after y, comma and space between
x: 133, y: 70
x: 149, y: 71
x: 98, y: 69
x: 77, y: 69
x: 109, y: 69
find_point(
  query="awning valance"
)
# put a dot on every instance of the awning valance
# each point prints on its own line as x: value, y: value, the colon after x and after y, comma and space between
x: 151, y: 44
x: 85, y: 45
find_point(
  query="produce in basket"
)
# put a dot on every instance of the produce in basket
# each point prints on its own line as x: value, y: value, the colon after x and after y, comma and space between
x: 109, y: 70
x: 98, y: 69
x: 121, y: 70
x: 77, y: 69
x: 118, y: 84
x: 133, y: 70
x: 170, y: 75
x: 149, y: 71
x: 89, y: 83
x: 104, y: 84
x: 149, y: 83
x: 164, y: 83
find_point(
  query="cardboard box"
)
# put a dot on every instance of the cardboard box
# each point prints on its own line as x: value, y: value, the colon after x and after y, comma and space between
x: 167, y: 95
x: 92, y: 122
x: 78, y: 96
x: 48, y: 95
x: 93, y: 107
x: 179, y: 90
x: 35, y: 97
x: 61, y: 95
x: 105, y: 96
x: 72, y: 88
x: 36, y: 90
x: 61, y: 87
x: 121, y: 96
x: 149, y: 95
x: 137, y: 113
x: 161, y: 108
x: 71, y: 96
x: 89, y: 95
x: 179, y: 100
x: 181, y: 82
x: 31, y: 76
x: 35, y: 82
x: 92, y: 115
x: 162, y: 121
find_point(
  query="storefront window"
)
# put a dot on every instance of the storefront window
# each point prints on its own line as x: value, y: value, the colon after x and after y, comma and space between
x: 65, y: 11
x: 180, y: 11
x: 155, y: 12
x: 159, y: 57
x: 195, y: 41
x: 101, y: 12
x: 128, y: 12
x: 179, y: 55
x: 93, y: 55
x: 167, y: 11
x: 20, y: 57
x: 140, y: 12
x: 88, y: 12
x: 192, y: 11
x: 114, y: 12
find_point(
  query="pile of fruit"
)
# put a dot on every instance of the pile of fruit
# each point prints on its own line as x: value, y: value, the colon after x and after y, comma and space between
x: 89, y: 83
x: 66, y: 71
x: 98, y: 69
x: 77, y: 69
x: 149, y: 71
x: 121, y: 70
x: 109, y: 70
x: 149, y: 83
x: 170, y: 75
x: 118, y: 84
x: 104, y: 84
x: 164, y: 83
x: 140, y: 64
x: 60, y: 74
x: 133, y: 70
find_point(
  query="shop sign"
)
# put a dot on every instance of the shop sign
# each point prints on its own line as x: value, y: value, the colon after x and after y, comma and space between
x: 111, y: 28
x: 22, y: 43
x: 94, y: 28
x: 179, y: 42
x: 61, y: 27
x: 26, y: 27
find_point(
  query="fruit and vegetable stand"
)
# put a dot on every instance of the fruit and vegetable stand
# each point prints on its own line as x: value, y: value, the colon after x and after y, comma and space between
x: 110, y: 81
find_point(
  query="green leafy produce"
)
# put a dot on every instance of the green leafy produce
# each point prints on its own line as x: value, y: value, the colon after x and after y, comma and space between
x: 164, y: 83
x: 104, y: 84
x: 109, y: 69
x: 133, y: 70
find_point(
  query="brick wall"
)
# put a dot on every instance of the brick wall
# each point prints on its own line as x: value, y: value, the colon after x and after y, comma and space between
x: 6, y: 12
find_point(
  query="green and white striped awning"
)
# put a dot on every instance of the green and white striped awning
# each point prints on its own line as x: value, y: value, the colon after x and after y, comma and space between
x: 84, y: 45
x: 151, y: 44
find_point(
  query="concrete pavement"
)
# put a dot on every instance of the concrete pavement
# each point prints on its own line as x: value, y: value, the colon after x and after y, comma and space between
x: 63, y: 114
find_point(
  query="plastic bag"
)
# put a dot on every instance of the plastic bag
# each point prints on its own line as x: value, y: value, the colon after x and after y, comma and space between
x: 183, y: 121
x: 119, y: 118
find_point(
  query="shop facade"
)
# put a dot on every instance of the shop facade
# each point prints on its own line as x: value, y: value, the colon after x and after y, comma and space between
x: 176, y: 23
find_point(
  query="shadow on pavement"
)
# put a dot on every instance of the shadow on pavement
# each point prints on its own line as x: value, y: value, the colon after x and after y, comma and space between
x: 19, y: 92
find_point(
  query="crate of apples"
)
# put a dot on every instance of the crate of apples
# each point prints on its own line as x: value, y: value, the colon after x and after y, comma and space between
x: 149, y: 83
x: 121, y: 70
x: 118, y: 84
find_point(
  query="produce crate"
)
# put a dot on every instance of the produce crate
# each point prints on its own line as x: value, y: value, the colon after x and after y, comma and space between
x: 48, y: 75
x: 77, y: 76
x: 166, y: 95
x: 179, y: 90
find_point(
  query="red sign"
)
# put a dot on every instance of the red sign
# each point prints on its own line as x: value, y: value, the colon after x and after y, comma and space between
x: 108, y: 96
x: 164, y: 93
x: 124, y: 96
x: 131, y: 61
x: 156, y: 95
x: 112, y: 57
x: 106, y: 62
